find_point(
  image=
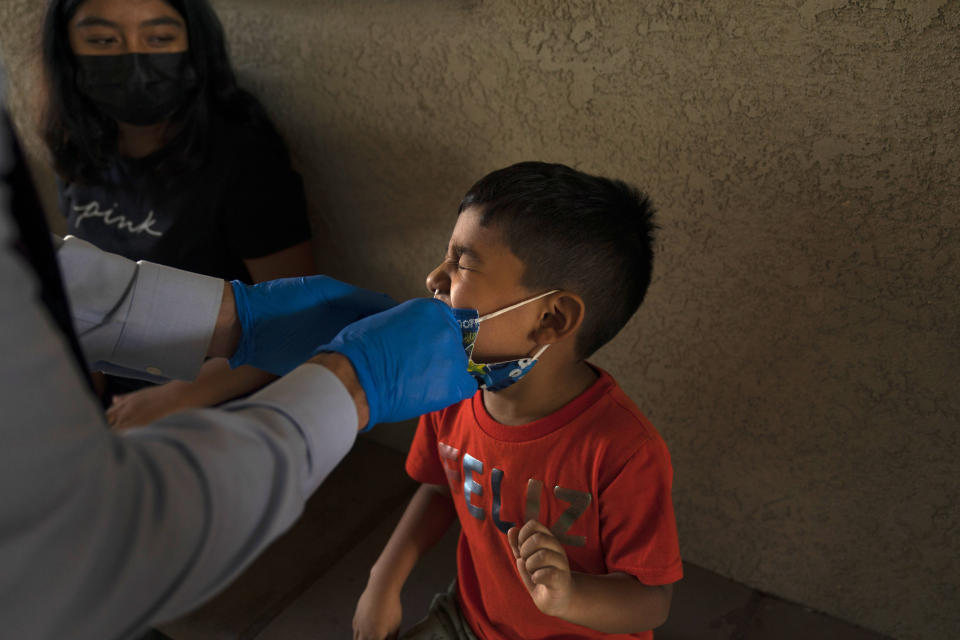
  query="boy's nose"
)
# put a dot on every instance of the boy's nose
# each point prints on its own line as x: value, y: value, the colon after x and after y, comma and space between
x: 438, y: 280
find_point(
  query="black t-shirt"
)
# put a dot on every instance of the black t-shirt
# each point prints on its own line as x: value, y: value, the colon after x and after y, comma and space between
x: 245, y: 202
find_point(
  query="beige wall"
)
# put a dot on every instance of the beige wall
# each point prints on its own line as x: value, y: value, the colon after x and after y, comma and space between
x: 799, y: 349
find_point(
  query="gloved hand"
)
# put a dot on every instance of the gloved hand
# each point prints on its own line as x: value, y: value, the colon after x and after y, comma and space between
x: 284, y: 321
x: 409, y: 360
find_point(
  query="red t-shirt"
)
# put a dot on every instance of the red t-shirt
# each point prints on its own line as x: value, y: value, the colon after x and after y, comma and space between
x: 596, y: 472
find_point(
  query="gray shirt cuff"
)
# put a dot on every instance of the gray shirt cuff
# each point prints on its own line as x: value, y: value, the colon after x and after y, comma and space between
x: 139, y: 316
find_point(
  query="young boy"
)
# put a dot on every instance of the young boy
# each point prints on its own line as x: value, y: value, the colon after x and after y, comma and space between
x: 561, y: 485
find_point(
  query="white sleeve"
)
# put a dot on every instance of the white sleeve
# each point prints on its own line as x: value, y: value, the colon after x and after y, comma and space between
x: 102, y: 534
x: 138, y: 316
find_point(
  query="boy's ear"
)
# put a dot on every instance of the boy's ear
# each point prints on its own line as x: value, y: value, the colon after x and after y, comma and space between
x: 561, y: 318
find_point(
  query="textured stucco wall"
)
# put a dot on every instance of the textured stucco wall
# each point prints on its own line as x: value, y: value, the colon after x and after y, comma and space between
x: 799, y: 349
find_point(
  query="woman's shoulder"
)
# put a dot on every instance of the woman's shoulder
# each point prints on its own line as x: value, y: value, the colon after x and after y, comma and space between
x: 244, y: 122
x: 248, y: 145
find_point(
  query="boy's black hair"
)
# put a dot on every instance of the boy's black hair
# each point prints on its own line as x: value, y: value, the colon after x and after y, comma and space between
x: 586, y: 234
x: 83, y: 141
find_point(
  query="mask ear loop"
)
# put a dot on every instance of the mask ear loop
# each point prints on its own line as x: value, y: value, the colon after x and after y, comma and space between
x: 539, y: 352
x: 515, y: 306
x: 436, y: 293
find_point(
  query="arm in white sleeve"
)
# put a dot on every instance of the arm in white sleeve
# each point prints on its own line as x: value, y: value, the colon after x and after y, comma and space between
x: 138, y: 316
x: 102, y: 534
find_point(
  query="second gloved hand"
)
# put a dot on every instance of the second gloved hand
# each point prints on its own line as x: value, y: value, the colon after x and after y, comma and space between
x: 284, y: 321
x: 409, y: 360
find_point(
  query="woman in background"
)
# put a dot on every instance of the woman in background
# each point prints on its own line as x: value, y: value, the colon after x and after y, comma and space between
x: 162, y: 157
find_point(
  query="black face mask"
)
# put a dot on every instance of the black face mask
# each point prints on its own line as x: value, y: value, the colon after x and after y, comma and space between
x: 137, y: 88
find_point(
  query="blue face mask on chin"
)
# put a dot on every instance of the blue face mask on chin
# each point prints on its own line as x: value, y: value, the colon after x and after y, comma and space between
x: 494, y: 376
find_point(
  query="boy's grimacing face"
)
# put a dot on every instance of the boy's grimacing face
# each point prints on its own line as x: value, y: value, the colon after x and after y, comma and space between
x: 480, y: 272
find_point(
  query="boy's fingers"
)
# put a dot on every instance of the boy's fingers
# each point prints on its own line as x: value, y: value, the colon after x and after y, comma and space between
x: 512, y: 536
x: 540, y: 540
x: 545, y: 559
x: 524, y: 575
x: 548, y: 577
x: 530, y: 528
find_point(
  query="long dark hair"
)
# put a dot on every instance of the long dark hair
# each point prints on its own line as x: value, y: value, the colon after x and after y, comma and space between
x: 83, y: 141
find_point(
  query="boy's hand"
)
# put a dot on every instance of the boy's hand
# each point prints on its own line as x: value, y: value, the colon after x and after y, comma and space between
x: 543, y: 567
x: 378, y: 615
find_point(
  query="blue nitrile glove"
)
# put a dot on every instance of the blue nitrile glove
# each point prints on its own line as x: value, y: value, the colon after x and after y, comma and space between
x: 284, y: 321
x: 409, y: 360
